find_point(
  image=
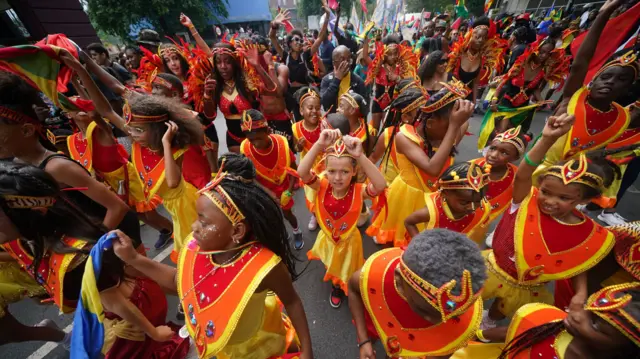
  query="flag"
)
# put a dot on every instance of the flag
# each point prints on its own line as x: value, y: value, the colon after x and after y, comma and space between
x: 378, y: 13
x: 333, y: 4
x: 88, y: 322
x: 363, y: 3
x: 354, y: 19
x: 616, y: 33
x: 38, y: 65
x: 487, y: 5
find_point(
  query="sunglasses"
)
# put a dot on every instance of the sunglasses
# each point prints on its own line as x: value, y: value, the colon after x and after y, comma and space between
x: 297, y: 39
x: 442, y: 61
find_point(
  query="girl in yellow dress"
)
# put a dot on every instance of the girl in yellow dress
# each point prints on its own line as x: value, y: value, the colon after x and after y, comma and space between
x: 424, y: 149
x: 163, y: 133
x: 237, y: 257
x: 459, y: 203
x: 338, y: 203
x: 305, y: 135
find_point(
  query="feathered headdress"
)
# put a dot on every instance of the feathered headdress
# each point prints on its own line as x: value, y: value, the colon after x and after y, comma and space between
x: 149, y: 65
x: 556, y: 68
x: 200, y: 66
x: 407, y: 61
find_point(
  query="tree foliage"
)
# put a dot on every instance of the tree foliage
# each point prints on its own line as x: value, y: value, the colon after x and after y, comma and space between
x: 427, y: 5
x: 116, y: 16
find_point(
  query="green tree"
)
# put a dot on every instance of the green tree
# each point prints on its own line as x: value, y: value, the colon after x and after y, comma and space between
x: 427, y: 5
x: 116, y: 16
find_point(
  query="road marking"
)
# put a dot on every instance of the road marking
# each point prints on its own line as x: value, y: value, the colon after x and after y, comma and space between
x: 48, y: 347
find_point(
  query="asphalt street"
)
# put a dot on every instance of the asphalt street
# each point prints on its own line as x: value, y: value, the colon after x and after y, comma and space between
x: 333, y: 335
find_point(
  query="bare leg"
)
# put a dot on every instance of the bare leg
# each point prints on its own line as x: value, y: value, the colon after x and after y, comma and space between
x: 156, y: 220
x: 291, y: 218
x: 212, y: 157
x: 12, y: 331
x: 503, y: 125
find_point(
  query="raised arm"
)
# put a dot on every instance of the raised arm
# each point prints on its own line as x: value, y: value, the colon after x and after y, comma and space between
x: 355, y: 148
x: 323, y: 35
x: 173, y: 173
x: 583, y: 57
x: 327, y: 137
x: 555, y: 128
x: 186, y: 21
x: 111, y: 82
x: 365, y: 50
x: 282, y: 16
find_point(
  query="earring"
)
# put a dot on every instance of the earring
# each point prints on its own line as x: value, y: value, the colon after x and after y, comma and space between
x: 236, y: 241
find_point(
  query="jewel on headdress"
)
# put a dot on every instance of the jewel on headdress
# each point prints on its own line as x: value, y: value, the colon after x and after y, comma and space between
x: 610, y: 304
x: 575, y: 171
x: 511, y: 136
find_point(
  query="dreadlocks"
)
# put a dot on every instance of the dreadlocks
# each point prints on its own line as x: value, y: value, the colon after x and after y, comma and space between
x: 262, y: 213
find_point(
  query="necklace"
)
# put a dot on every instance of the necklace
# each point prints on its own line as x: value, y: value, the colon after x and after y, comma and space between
x: 230, y: 83
x: 471, y: 56
x: 339, y: 197
x: 272, y: 146
x: 533, y: 66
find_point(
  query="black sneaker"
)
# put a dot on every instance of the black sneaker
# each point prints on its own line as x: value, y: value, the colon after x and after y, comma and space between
x: 180, y: 313
x: 163, y: 240
x: 335, y: 299
x: 298, y: 241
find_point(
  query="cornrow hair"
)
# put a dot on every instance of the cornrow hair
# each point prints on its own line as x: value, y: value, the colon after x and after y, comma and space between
x: 394, y: 115
x: 264, y: 215
x: 461, y: 169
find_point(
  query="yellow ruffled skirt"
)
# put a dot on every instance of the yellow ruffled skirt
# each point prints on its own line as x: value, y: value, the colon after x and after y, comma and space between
x: 511, y: 295
x: 387, y: 225
x: 388, y: 170
x: 181, y: 205
x: 342, y: 259
x: 137, y: 199
x: 15, y: 285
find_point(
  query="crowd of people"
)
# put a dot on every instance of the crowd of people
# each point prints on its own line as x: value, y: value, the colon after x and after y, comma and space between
x: 368, y: 134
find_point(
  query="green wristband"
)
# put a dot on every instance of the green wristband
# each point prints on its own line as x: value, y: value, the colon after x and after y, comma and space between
x: 530, y: 162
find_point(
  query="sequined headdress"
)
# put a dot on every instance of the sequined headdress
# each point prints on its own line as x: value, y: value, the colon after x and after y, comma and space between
x: 310, y: 93
x: 250, y: 124
x: 477, y: 177
x: 609, y: 304
x: 511, y: 136
x: 338, y: 149
x: 441, y: 298
x: 408, y: 61
x: 157, y: 80
x: 576, y: 171
x: 131, y: 117
x: 626, y: 59
x: 225, y: 203
x: 452, y: 91
x: 627, y: 247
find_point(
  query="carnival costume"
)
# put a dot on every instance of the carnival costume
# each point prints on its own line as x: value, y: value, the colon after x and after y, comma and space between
x: 384, y: 88
x: 514, y: 92
x: 440, y: 215
x: 226, y: 317
x: 608, y: 304
x: 339, y: 243
x: 531, y: 248
x: 273, y: 169
x: 150, y: 166
x: 389, y: 164
x: 406, y: 193
x: 593, y: 129
x: 491, y: 54
x: 404, y: 333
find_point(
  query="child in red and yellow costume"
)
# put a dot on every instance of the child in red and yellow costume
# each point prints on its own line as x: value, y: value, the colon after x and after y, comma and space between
x: 458, y: 205
x: 542, y: 237
x: 275, y: 164
x: 422, y: 301
x: 338, y: 204
x: 354, y: 107
x: 608, y: 326
x: 424, y: 149
x: 238, y: 253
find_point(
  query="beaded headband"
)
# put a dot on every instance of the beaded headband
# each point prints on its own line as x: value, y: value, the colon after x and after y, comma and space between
x: 482, y: 27
x: 477, y: 178
x: 575, y: 171
x: 169, y: 49
x: 628, y: 59
x: 25, y: 202
x: 131, y: 117
x: 248, y: 124
x: 309, y: 94
x: 55, y: 139
x: 449, y: 305
x: 416, y: 104
x: 453, y: 90
x: 352, y: 101
x: 338, y: 149
x: 15, y: 116
x: 511, y: 136
x: 157, y: 80
x: 225, y: 203
x: 627, y: 247
x: 609, y: 305
x: 224, y: 51
x: 390, y: 47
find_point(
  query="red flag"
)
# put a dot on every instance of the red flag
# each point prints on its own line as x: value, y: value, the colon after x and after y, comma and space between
x: 426, y: 15
x: 456, y: 24
x: 363, y: 3
x: 288, y: 26
x: 333, y: 4
x: 615, y: 33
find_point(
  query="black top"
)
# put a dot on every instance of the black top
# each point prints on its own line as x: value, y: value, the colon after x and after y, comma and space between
x: 467, y: 77
x: 298, y: 68
x: 330, y: 87
x: 515, y: 53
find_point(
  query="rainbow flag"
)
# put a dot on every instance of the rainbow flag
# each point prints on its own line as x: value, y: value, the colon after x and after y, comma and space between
x: 88, y: 323
x: 38, y: 65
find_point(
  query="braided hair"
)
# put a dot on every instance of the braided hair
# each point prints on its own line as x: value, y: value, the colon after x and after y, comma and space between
x: 429, y: 65
x: 238, y: 77
x: 394, y: 114
x: 536, y: 335
x: 443, y: 112
x: 461, y: 170
x: 263, y: 214
x: 44, y: 230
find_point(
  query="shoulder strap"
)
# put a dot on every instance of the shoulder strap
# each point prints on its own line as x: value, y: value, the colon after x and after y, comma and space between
x: 44, y: 162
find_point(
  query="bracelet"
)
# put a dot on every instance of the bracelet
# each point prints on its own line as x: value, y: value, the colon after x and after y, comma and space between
x: 363, y: 343
x: 481, y: 337
x: 312, y: 180
x: 530, y: 162
x: 191, y: 27
x: 287, y: 193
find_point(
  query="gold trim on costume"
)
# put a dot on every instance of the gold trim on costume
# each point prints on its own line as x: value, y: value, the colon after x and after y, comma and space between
x: 457, y: 90
x: 608, y: 305
x: 477, y: 178
x: 628, y: 59
x: 511, y: 136
x: 249, y: 124
x: 575, y: 171
x: 352, y: 101
x: 226, y: 204
x: 309, y: 94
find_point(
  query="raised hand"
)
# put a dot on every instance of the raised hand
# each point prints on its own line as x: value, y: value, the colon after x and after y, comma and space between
x: 209, y: 85
x: 557, y: 126
x: 123, y: 247
x: 462, y: 111
x: 252, y: 55
x: 172, y: 129
x: 185, y: 20
x: 611, y: 5
x: 69, y: 60
x: 282, y: 16
x: 328, y: 137
x: 353, y: 145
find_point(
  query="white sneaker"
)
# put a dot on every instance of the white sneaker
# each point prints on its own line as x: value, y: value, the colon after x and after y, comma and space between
x: 487, y: 323
x: 612, y: 219
x: 313, y: 223
x: 489, y: 240
x: 364, y: 217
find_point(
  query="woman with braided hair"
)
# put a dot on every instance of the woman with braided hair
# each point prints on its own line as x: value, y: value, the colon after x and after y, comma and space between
x: 240, y: 229
x: 433, y: 72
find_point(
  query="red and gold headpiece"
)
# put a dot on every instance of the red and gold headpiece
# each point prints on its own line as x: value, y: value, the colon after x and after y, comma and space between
x: 627, y: 247
x: 575, y: 171
x: 15, y: 116
x: 352, y: 101
x: 131, y: 117
x: 477, y: 178
x: 441, y: 298
x: 225, y: 203
x: 416, y: 104
x: 157, y: 80
x: 28, y: 202
x: 309, y: 94
x: 249, y: 124
x: 453, y: 90
x: 55, y: 139
x: 628, y: 59
x: 168, y: 49
x: 609, y: 304
x: 511, y: 136
x: 338, y: 149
